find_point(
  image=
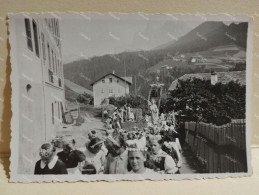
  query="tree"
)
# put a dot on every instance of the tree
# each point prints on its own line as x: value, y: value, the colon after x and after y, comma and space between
x: 135, y: 101
x: 198, y: 100
x: 85, y: 98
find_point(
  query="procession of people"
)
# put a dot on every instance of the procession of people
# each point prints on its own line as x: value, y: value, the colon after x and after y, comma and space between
x: 153, y: 149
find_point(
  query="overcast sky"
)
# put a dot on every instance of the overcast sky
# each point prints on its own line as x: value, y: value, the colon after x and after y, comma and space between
x: 92, y: 34
x: 85, y: 36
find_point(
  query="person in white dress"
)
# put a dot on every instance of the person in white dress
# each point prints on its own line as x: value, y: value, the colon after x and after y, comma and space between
x: 131, y: 116
x: 95, y: 158
x: 162, y: 117
x: 154, y: 112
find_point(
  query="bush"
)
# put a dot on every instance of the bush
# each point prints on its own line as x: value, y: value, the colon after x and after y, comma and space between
x: 198, y: 100
x: 85, y: 98
x: 134, y: 101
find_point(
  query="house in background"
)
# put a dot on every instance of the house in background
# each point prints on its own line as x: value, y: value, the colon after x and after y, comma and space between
x: 196, y: 59
x: 40, y: 79
x: 110, y: 85
x: 221, y: 77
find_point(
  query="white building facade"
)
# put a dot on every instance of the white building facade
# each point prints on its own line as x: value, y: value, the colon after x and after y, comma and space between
x: 38, y: 64
x: 108, y: 86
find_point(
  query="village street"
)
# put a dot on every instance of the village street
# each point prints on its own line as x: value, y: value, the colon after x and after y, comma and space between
x: 91, y: 122
x: 80, y: 132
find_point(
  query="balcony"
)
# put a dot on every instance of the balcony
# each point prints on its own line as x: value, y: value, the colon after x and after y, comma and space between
x: 51, y: 78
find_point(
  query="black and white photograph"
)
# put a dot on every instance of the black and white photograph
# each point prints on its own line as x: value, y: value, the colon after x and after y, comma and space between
x: 120, y: 96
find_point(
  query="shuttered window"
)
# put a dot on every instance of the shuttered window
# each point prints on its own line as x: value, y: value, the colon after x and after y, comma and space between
x: 28, y: 33
x: 36, y: 40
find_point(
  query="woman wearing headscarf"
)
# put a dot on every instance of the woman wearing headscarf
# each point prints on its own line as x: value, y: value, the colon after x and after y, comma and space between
x: 49, y: 163
x: 95, y: 157
x: 159, y: 160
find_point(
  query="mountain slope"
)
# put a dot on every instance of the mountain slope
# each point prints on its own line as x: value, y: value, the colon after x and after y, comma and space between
x: 202, y: 38
x: 208, y: 35
x: 77, y: 88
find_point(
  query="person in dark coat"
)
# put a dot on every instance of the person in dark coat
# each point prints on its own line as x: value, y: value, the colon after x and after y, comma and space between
x: 49, y: 164
x: 70, y: 155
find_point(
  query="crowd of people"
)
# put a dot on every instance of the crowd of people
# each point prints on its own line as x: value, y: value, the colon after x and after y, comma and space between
x: 154, y: 149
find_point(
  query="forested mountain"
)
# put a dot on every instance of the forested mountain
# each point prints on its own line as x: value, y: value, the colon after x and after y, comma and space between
x: 203, y: 37
x: 208, y: 35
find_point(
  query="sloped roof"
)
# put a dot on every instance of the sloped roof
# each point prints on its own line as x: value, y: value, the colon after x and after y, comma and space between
x: 128, y: 79
x: 77, y: 88
x: 223, y: 77
x: 125, y: 79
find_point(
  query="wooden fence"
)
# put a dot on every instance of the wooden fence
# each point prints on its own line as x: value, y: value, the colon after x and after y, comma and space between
x: 220, y: 148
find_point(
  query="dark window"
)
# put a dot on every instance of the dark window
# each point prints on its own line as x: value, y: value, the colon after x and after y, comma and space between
x: 49, y: 57
x: 53, y: 119
x: 52, y: 25
x: 61, y: 69
x: 58, y: 67
x: 52, y: 59
x: 59, y: 82
x: 43, y: 46
x: 28, y: 87
x: 57, y: 34
x: 110, y: 80
x: 118, y: 80
x: 55, y: 63
x: 36, y: 41
x: 51, y: 78
x: 103, y: 81
x: 58, y: 111
x: 49, y: 25
x: 28, y: 33
x: 59, y: 63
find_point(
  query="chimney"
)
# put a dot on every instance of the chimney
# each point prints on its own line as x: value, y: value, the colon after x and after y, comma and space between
x: 213, y: 78
x: 113, y: 72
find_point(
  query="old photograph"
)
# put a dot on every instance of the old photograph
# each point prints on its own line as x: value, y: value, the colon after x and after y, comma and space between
x: 119, y: 96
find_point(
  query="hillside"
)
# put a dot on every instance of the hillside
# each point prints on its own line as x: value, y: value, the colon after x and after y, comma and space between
x: 208, y: 35
x: 73, y: 90
x: 77, y: 88
x: 212, y: 58
x: 206, y: 39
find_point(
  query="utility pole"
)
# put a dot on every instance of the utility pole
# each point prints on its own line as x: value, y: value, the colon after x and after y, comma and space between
x: 135, y: 84
x: 125, y: 77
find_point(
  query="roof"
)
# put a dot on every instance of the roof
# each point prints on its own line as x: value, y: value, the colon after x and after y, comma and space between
x: 77, y: 88
x: 196, y: 57
x: 223, y: 77
x: 125, y: 79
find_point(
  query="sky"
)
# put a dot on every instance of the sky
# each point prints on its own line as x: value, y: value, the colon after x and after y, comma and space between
x: 85, y: 36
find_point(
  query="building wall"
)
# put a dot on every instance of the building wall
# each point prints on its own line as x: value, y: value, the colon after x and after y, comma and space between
x: 104, y: 89
x: 37, y: 92
x: 53, y: 75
